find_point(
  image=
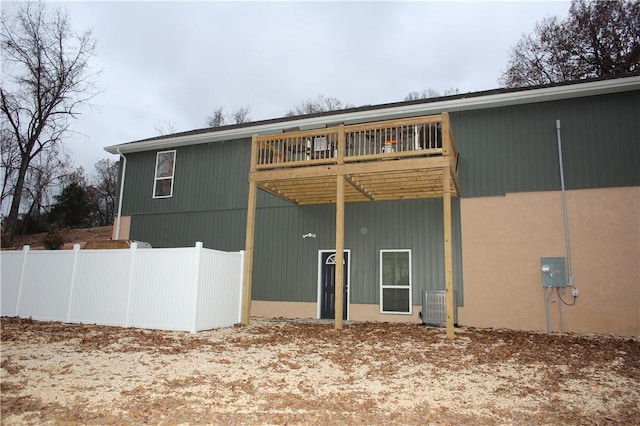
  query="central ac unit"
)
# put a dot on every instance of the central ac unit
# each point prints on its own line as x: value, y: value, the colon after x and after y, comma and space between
x: 434, y: 308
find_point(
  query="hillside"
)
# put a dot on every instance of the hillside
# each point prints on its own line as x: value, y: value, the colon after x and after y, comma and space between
x: 71, y: 237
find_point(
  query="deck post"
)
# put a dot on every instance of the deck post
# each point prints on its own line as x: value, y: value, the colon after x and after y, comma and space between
x: 341, y: 144
x: 446, y: 139
x: 247, y: 273
x: 339, y: 278
x: 448, y: 249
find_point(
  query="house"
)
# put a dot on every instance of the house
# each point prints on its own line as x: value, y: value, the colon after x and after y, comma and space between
x: 510, y: 201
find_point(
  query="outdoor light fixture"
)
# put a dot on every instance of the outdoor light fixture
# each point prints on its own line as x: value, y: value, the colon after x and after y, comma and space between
x: 309, y: 235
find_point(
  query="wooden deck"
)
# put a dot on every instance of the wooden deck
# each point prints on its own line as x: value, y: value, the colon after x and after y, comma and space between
x: 387, y: 160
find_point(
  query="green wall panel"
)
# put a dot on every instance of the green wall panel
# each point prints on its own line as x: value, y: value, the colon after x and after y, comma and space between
x: 286, y: 265
x: 208, y: 177
x: 514, y: 149
x: 502, y: 150
x: 220, y: 230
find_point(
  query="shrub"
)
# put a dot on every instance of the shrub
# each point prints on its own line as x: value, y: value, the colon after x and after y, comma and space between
x: 54, y: 240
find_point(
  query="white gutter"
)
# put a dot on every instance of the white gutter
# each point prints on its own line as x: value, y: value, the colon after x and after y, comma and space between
x: 124, y: 169
x: 391, y: 112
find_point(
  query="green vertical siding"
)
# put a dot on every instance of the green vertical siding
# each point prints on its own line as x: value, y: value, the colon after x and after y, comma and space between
x: 207, y: 177
x: 514, y: 149
x: 286, y: 266
x: 221, y: 229
x: 502, y: 150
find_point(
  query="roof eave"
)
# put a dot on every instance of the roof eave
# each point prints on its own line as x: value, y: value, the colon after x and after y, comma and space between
x: 450, y: 105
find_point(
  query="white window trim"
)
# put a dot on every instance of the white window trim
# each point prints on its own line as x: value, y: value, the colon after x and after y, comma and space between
x: 172, y: 177
x: 383, y: 286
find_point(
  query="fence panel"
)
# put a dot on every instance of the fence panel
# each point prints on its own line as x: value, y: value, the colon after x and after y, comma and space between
x: 187, y: 289
x: 101, y: 287
x: 46, y: 285
x: 219, y: 289
x: 10, y: 272
x: 163, y: 286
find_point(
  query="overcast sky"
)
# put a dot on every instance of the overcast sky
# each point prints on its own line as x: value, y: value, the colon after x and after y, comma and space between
x: 175, y: 62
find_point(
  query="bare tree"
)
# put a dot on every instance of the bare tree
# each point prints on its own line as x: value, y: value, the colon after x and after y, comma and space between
x: 105, y: 186
x: 219, y: 118
x: 597, y: 39
x: 43, y: 180
x: 320, y: 104
x: 241, y: 115
x: 10, y: 157
x: 430, y: 93
x: 47, y: 78
x: 165, y: 127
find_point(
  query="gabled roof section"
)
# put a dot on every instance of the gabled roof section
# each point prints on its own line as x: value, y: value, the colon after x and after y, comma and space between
x: 461, y: 102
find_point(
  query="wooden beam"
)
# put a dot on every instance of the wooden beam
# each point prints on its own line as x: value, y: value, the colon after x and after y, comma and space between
x: 248, y: 254
x: 339, y: 279
x: 299, y: 134
x: 278, y: 193
x: 393, y: 155
x: 448, y: 251
x: 349, y: 169
x: 393, y: 123
x: 359, y: 187
x: 454, y: 180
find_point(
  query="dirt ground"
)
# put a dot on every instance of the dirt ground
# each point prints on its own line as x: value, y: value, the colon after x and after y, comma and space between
x: 71, y: 237
x: 305, y: 372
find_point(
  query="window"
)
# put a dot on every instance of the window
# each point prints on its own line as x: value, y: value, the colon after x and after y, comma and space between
x: 165, y: 166
x: 395, y: 281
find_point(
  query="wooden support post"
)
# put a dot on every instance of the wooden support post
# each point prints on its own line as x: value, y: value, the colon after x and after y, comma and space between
x: 339, y: 306
x: 448, y: 250
x: 341, y: 144
x: 248, y: 254
x: 249, y: 239
x: 446, y: 133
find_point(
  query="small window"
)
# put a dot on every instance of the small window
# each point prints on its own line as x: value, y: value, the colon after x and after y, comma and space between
x: 395, y: 282
x: 165, y: 166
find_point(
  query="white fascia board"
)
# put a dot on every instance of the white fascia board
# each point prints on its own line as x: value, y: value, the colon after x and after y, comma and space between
x: 392, y: 112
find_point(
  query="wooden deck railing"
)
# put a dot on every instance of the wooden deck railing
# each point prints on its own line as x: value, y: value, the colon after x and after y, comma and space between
x: 411, y: 137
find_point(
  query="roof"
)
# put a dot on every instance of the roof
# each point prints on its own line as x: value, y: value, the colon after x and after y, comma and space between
x: 461, y: 102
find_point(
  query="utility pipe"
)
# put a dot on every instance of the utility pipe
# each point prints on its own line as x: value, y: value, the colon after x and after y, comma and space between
x: 124, y: 169
x: 564, y: 205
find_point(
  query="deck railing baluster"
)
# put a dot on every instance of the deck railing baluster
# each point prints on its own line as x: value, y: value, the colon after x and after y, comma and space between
x: 403, y: 138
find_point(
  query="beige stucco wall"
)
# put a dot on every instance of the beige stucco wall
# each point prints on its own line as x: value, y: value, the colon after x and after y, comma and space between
x: 125, y: 226
x: 266, y: 309
x: 357, y: 312
x: 503, y: 239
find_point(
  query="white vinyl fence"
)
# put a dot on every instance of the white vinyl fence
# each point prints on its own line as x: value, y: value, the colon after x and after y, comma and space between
x: 188, y: 289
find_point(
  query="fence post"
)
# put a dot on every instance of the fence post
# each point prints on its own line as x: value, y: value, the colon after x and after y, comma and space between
x: 240, y: 284
x: 25, y: 252
x: 194, y: 327
x: 74, y: 271
x: 132, y: 250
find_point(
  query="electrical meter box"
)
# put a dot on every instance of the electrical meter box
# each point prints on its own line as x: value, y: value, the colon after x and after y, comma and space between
x: 553, y: 272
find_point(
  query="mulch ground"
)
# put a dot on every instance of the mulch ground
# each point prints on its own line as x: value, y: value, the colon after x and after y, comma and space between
x: 305, y: 372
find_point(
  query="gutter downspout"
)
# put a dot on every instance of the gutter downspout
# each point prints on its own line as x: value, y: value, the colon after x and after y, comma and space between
x: 564, y: 206
x: 124, y: 169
